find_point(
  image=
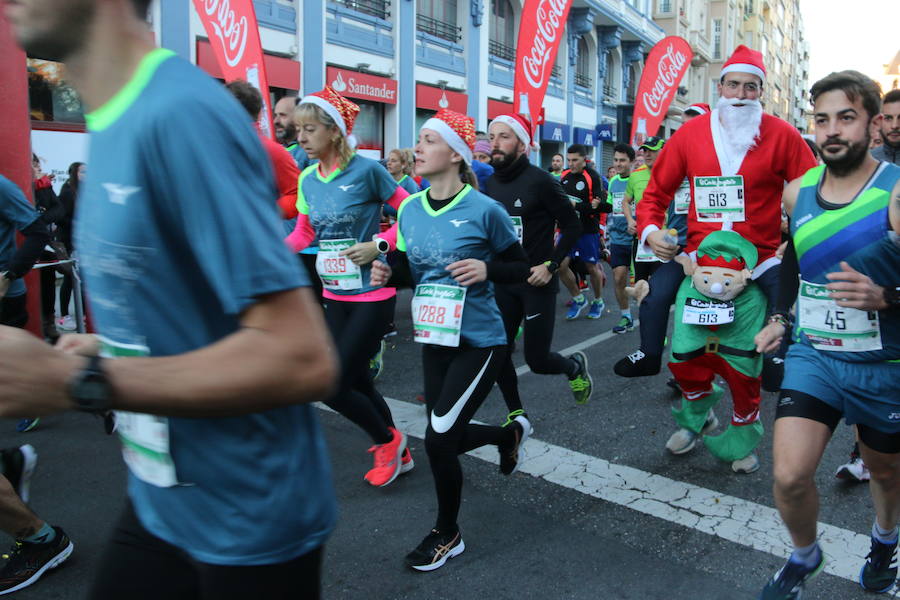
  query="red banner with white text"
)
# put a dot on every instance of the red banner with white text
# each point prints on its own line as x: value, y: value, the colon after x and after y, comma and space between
x: 666, y: 65
x: 234, y: 34
x: 542, y: 27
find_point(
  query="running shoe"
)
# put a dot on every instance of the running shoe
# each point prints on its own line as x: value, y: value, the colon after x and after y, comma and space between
x: 684, y: 440
x: 27, y: 562
x: 624, y: 325
x: 66, y: 323
x: 25, y: 425
x: 406, y: 462
x: 582, y: 384
x: 638, y: 364
x: 434, y: 551
x: 745, y: 466
x: 596, y: 310
x: 789, y: 582
x: 18, y: 467
x: 391, y: 331
x: 376, y: 363
x: 880, y: 571
x: 511, y: 453
x: 576, y: 309
x: 388, y: 459
x: 854, y: 471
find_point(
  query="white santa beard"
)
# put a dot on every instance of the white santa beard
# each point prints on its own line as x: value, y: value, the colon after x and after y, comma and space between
x: 740, y: 124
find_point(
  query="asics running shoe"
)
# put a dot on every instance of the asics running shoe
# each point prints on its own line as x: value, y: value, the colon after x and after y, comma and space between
x: 582, y: 384
x: 435, y: 550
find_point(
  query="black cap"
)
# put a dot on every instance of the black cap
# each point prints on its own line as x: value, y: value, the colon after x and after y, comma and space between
x: 653, y: 143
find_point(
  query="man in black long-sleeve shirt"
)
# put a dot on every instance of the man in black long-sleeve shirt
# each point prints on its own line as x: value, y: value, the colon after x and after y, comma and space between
x: 537, y: 205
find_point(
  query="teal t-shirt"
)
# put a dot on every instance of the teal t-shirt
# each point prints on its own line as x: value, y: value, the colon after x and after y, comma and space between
x: 472, y: 225
x: 15, y: 215
x: 618, y: 224
x: 178, y: 235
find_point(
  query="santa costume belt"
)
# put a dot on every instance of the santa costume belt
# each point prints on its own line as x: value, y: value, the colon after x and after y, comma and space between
x: 713, y: 345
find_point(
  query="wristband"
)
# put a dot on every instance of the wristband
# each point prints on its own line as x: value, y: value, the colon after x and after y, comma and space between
x: 781, y: 319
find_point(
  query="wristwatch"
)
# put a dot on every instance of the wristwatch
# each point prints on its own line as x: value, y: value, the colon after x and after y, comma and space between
x: 552, y: 266
x: 381, y: 244
x: 90, y: 390
x: 892, y: 295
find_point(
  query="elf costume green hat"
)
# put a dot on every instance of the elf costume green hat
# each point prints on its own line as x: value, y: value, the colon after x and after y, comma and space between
x: 727, y: 249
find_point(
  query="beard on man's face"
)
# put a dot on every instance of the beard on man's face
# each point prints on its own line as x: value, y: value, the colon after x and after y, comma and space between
x: 286, y: 133
x: 501, y: 159
x: 847, y: 161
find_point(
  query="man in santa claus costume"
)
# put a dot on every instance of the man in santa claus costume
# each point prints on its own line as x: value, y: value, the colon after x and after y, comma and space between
x: 737, y: 160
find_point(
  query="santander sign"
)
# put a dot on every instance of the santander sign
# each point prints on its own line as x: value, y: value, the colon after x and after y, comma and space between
x: 231, y: 30
x: 542, y: 27
x: 664, y: 69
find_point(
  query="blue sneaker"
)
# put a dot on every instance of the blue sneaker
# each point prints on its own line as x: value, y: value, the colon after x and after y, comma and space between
x: 625, y: 324
x: 27, y: 424
x: 596, y: 310
x: 790, y: 581
x: 880, y: 571
x: 576, y: 309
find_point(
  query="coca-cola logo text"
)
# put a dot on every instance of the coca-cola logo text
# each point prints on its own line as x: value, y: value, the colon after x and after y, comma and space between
x: 549, y: 23
x: 231, y: 31
x: 670, y: 69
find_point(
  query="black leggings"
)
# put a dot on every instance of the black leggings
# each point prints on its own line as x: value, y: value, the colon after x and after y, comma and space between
x: 643, y: 270
x: 14, y: 311
x: 457, y: 380
x: 308, y: 261
x: 538, y: 309
x: 357, y: 328
x: 139, y: 566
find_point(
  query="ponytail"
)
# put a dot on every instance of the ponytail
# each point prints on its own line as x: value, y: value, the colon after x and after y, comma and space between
x: 467, y: 175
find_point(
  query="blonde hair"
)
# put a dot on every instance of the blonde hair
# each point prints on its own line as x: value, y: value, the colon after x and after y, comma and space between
x: 403, y: 157
x: 467, y: 175
x: 306, y: 112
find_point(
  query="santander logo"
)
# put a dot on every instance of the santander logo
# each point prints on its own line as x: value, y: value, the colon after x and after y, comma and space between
x: 549, y: 23
x: 231, y: 31
x: 670, y: 68
x: 338, y: 84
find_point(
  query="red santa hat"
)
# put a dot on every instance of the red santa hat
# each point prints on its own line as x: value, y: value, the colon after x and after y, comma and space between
x: 701, y: 108
x: 746, y: 60
x: 521, y: 126
x: 342, y: 111
x: 457, y: 129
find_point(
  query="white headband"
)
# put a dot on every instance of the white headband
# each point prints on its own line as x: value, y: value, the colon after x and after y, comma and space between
x: 332, y: 112
x: 452, y: 138
x: 517, y: 128
x: 745, y: 68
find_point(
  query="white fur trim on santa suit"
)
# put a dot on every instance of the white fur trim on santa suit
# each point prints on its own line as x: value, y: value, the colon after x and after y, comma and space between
x: 517, y: 128
x: 452, y: 138
x: 695, y: 108
x: 744, y: 68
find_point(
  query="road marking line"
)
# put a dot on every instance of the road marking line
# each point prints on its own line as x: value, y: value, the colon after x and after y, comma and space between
x: 592, y: 341
x: 734, y: 519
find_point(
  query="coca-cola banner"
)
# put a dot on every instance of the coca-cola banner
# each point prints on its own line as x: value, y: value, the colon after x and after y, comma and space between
x: 234, y: 34
x: 666, y: 65
x: 542, y: 27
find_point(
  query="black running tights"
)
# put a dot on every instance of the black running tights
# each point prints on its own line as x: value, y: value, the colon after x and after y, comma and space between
x: 357, y: 328
x: 457, y: 380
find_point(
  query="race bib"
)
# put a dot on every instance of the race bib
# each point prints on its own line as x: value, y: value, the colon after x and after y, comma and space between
x: 520, y: 229
x: 835, y: 328
x: 618, y: 200
x: 707, y: 312
x: 643, y: 255
x: 337, y: 272
x: 144, y: 438
x: 437, y: 314
x: 683, y: 198
x: 719, y: 199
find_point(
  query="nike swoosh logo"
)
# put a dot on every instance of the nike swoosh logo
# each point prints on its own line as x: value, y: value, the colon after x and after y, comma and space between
x: 346, y: 187
x: 530, y: 317
x: 444, y: 423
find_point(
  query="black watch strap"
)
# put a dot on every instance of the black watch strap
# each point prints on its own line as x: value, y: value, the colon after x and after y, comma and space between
x: 892, y: 295
x: 90, y: 390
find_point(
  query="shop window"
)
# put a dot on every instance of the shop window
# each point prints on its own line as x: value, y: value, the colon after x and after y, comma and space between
x: 50, y: 99
x: 369, y: 125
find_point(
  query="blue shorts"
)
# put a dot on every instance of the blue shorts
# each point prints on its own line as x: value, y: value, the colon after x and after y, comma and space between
x: 620, y: 255
x: 587, y: 248
x: 866, y: 393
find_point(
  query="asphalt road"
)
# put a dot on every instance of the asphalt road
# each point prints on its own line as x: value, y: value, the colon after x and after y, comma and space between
x: 527, y: 536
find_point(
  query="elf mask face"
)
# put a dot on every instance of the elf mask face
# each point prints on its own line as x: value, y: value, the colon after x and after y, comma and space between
x: 720, y: 283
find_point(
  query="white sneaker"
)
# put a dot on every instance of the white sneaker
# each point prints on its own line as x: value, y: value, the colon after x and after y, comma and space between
x: 855, y: 470
x: 746, y: 465
x: 66, y: 323
x: 684, y: 440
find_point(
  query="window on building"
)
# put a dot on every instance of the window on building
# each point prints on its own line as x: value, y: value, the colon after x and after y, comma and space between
x: 631, y: 92
x: 376, y: 8
x: 664, y: 6
x: 50, y: 98
x: 583, y: 65
x: 764, y: 46
x: 748, y: 7
x: 777, y: 38
x: 438, y: 18
x: 717, y: 39
x: 503, y: 30
x: 780, y: 11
